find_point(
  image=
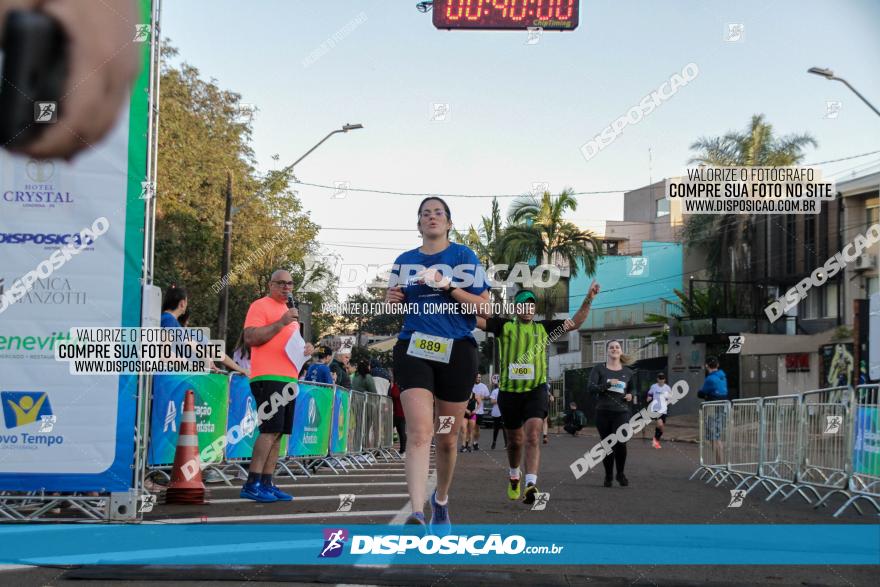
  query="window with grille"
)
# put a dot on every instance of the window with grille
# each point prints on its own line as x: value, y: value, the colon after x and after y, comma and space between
x: 599, y: 351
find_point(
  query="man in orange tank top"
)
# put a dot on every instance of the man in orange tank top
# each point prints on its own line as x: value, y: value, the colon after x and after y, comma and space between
x: 268, y: 326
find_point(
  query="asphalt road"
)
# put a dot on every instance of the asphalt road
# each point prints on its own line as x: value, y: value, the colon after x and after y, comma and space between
x: 659, y: 493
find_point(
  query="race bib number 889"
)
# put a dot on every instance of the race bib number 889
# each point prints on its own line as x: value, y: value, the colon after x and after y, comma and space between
x: 433, y: 348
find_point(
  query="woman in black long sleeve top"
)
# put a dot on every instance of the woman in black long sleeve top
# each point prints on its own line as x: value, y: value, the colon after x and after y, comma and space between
x: 613, y: 384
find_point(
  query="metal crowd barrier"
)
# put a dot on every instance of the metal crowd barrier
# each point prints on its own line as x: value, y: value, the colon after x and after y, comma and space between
x: 345, y: 429
x: 780, y: 455
x: 817, y: 445
x: 825, y: 442
x: 714, y: 416
x: 744, y: 452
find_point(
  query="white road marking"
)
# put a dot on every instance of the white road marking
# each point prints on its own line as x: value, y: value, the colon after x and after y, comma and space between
x: 309, y: 516
x: 303, y: 485
x: 297, y: 498
x: 404, y: 512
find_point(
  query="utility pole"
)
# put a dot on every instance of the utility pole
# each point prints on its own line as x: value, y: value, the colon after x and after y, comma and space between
x: 223, y: 310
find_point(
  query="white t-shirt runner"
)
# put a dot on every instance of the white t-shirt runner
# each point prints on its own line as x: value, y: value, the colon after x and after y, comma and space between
x: 661, y: 394
x: 496, y: 411
x: 482, y: 392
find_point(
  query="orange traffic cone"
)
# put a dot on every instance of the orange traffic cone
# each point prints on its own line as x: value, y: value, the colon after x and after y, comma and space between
x: 182, y: 490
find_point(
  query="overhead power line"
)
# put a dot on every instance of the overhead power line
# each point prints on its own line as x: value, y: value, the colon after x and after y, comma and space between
x: 586, y: 193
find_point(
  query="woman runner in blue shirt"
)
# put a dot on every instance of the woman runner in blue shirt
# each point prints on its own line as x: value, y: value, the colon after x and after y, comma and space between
x: 435, y: 358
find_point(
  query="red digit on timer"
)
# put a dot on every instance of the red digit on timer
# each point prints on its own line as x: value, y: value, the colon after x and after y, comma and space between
x: 449, y: 14
x: 522, y: 13
x: 502, y: 4
x: 539, y: 12
x: 477, y: 10
x: 569, y: 9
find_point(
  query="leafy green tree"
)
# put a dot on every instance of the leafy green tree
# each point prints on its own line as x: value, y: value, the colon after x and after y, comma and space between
x: 726, y: 238
x: 538, y: 231
x: 202, y: 134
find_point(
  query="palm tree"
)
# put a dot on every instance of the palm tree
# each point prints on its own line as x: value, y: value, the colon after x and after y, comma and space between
x: 485, y: 240
x: 726, y: 238
x: 537, y: 232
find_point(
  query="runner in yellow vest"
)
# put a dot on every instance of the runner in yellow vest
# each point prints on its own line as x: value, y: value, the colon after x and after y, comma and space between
x: 522, y: 358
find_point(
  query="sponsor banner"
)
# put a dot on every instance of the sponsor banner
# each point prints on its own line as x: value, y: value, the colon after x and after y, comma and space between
x: 311, y: 420
x: 57, y: 272
x: 522, y: 544
x: 169, y: 391
x: 340, y: 427
x: 243, y: 412
x: 866, y: 449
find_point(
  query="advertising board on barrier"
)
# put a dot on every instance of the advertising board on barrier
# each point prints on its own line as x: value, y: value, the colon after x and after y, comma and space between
x: 866, y: 449
x: 311, y: 420
x: 243, y: 413
x: 59, y: 434
x: 169, y: 391
x: 339, y: 428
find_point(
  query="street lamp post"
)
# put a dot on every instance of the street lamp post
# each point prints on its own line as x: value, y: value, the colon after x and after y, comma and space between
x: 345, y: 128
x: 828, y: 74
x: 227, y: 235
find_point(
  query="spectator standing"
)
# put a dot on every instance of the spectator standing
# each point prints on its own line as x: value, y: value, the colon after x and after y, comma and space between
x: 175, y: 314
x: 399, y: 415
x: 714, y: 388
x: 381, y: 378
x: 319, y: 371
x: 362, y: 380
x: 497, y: 420
x: 339, y: 366
x: 242, y: 353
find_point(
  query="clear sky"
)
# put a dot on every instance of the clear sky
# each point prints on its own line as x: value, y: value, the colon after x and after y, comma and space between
x: 520, y: 112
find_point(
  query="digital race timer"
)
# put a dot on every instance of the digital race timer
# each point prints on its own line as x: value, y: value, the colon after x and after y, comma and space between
x: 554, y: 15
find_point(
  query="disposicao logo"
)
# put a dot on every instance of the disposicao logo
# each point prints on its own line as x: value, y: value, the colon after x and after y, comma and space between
x: 24, y: 407
x: 334, y: 541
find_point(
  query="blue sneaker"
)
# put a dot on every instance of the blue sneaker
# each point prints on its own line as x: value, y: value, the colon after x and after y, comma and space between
x: 276, y: 491
x: 440, y: 523
x: 256, y: 492
x: 417, y: 519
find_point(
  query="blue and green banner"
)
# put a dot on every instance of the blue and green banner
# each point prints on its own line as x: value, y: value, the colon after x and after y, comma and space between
x: 866, y: 449
x: 169, y: 392
x: 339, y: 428
x: 311, y: 420
x: 242, y: 413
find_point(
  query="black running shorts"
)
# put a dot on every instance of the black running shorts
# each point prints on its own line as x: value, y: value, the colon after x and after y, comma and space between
x: 450, y: 382
x: 517, y: 407
x: 282, y: 421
